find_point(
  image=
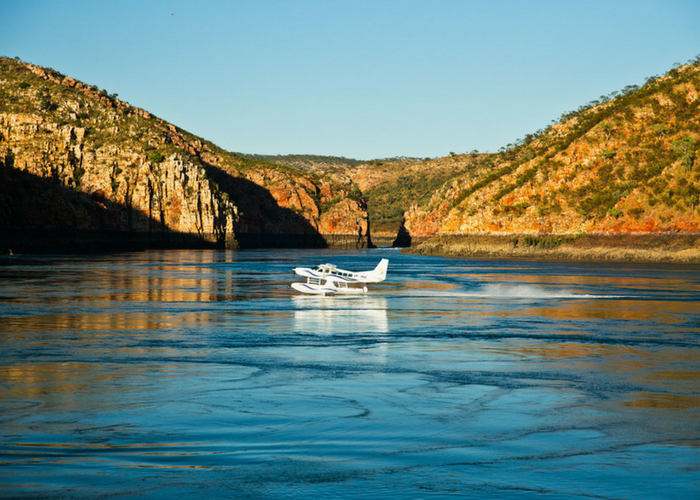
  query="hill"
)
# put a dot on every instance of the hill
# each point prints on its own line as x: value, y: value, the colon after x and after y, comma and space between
x: 103, y: 165
x: 625, y: 164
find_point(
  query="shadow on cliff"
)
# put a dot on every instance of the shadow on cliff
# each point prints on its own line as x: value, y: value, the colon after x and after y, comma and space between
x: 262, y: 222
x: 40, y: 215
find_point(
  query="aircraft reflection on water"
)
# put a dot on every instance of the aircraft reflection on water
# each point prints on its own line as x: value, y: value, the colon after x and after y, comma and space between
x: 327, y: 279
x: 320, y: 314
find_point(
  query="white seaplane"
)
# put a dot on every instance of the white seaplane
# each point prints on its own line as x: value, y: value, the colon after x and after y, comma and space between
x: 327, y: 279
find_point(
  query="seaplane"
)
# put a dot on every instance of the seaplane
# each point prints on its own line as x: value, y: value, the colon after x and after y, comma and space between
x: 327, y: 279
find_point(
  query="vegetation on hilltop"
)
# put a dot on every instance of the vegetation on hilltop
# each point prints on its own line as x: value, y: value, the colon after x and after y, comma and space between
x: 306, y: 162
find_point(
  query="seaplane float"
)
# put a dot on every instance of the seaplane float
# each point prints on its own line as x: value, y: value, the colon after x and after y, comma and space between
x: 327, y: 279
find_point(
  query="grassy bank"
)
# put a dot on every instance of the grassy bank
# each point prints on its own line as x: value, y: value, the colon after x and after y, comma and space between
x: 677, y: 248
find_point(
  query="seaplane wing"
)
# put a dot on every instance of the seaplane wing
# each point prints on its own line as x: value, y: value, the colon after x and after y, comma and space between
x: 321, y: 271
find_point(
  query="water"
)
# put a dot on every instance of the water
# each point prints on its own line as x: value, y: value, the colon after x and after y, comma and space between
x: 182, y: 374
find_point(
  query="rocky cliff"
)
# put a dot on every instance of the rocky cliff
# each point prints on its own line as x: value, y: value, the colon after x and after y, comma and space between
x: 624, y: 164
x: 75, y: 157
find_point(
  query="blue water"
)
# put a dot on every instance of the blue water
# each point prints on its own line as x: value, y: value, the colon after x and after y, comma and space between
x: 199, y: 374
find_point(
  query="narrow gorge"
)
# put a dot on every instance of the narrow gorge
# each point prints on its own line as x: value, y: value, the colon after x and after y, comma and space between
x: 616, y: 179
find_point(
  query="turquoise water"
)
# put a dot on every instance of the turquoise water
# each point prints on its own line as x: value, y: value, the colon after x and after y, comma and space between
x: 181, y: 374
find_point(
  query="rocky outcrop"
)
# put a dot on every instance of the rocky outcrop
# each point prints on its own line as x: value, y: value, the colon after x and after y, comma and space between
x: 143, y: 175
x: 145, y: 194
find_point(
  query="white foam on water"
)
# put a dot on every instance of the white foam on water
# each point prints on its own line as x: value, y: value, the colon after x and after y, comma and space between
x: 532, y: 292
x: 500, y: 291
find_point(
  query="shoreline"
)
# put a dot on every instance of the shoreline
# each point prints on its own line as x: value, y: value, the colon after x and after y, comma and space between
x: 596, y: 247
x: 36, y: 241
x: 659, y: 247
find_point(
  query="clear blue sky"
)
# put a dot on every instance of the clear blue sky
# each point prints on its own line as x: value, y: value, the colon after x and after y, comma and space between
x: 357, y: 78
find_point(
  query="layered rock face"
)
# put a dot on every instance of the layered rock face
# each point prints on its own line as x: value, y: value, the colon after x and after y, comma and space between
x: 625, y: 164
x: 123, y: 169
x: 145, y: 195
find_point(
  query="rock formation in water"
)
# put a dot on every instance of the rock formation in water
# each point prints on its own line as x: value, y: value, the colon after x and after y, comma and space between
x: 73, y: 157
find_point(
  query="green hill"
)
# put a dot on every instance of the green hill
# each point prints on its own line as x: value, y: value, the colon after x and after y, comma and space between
x: 624, y: 164
x: 627, y: 162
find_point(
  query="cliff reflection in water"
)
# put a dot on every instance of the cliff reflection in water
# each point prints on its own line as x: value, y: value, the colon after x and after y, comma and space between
x: 98, y: 296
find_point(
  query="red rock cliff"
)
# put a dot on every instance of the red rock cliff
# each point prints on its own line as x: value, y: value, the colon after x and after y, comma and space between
x: 151, y: 175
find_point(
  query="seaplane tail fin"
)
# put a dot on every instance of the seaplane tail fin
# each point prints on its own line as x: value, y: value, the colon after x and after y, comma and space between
x: 379, y: 273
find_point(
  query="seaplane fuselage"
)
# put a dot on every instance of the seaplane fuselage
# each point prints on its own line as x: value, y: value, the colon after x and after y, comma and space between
x: 323, y: 271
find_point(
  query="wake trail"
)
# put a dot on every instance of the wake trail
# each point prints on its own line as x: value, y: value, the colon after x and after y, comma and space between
x: 506, y: 292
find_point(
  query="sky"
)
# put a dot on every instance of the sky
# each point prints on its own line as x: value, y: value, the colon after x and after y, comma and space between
x: 362, y: 79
